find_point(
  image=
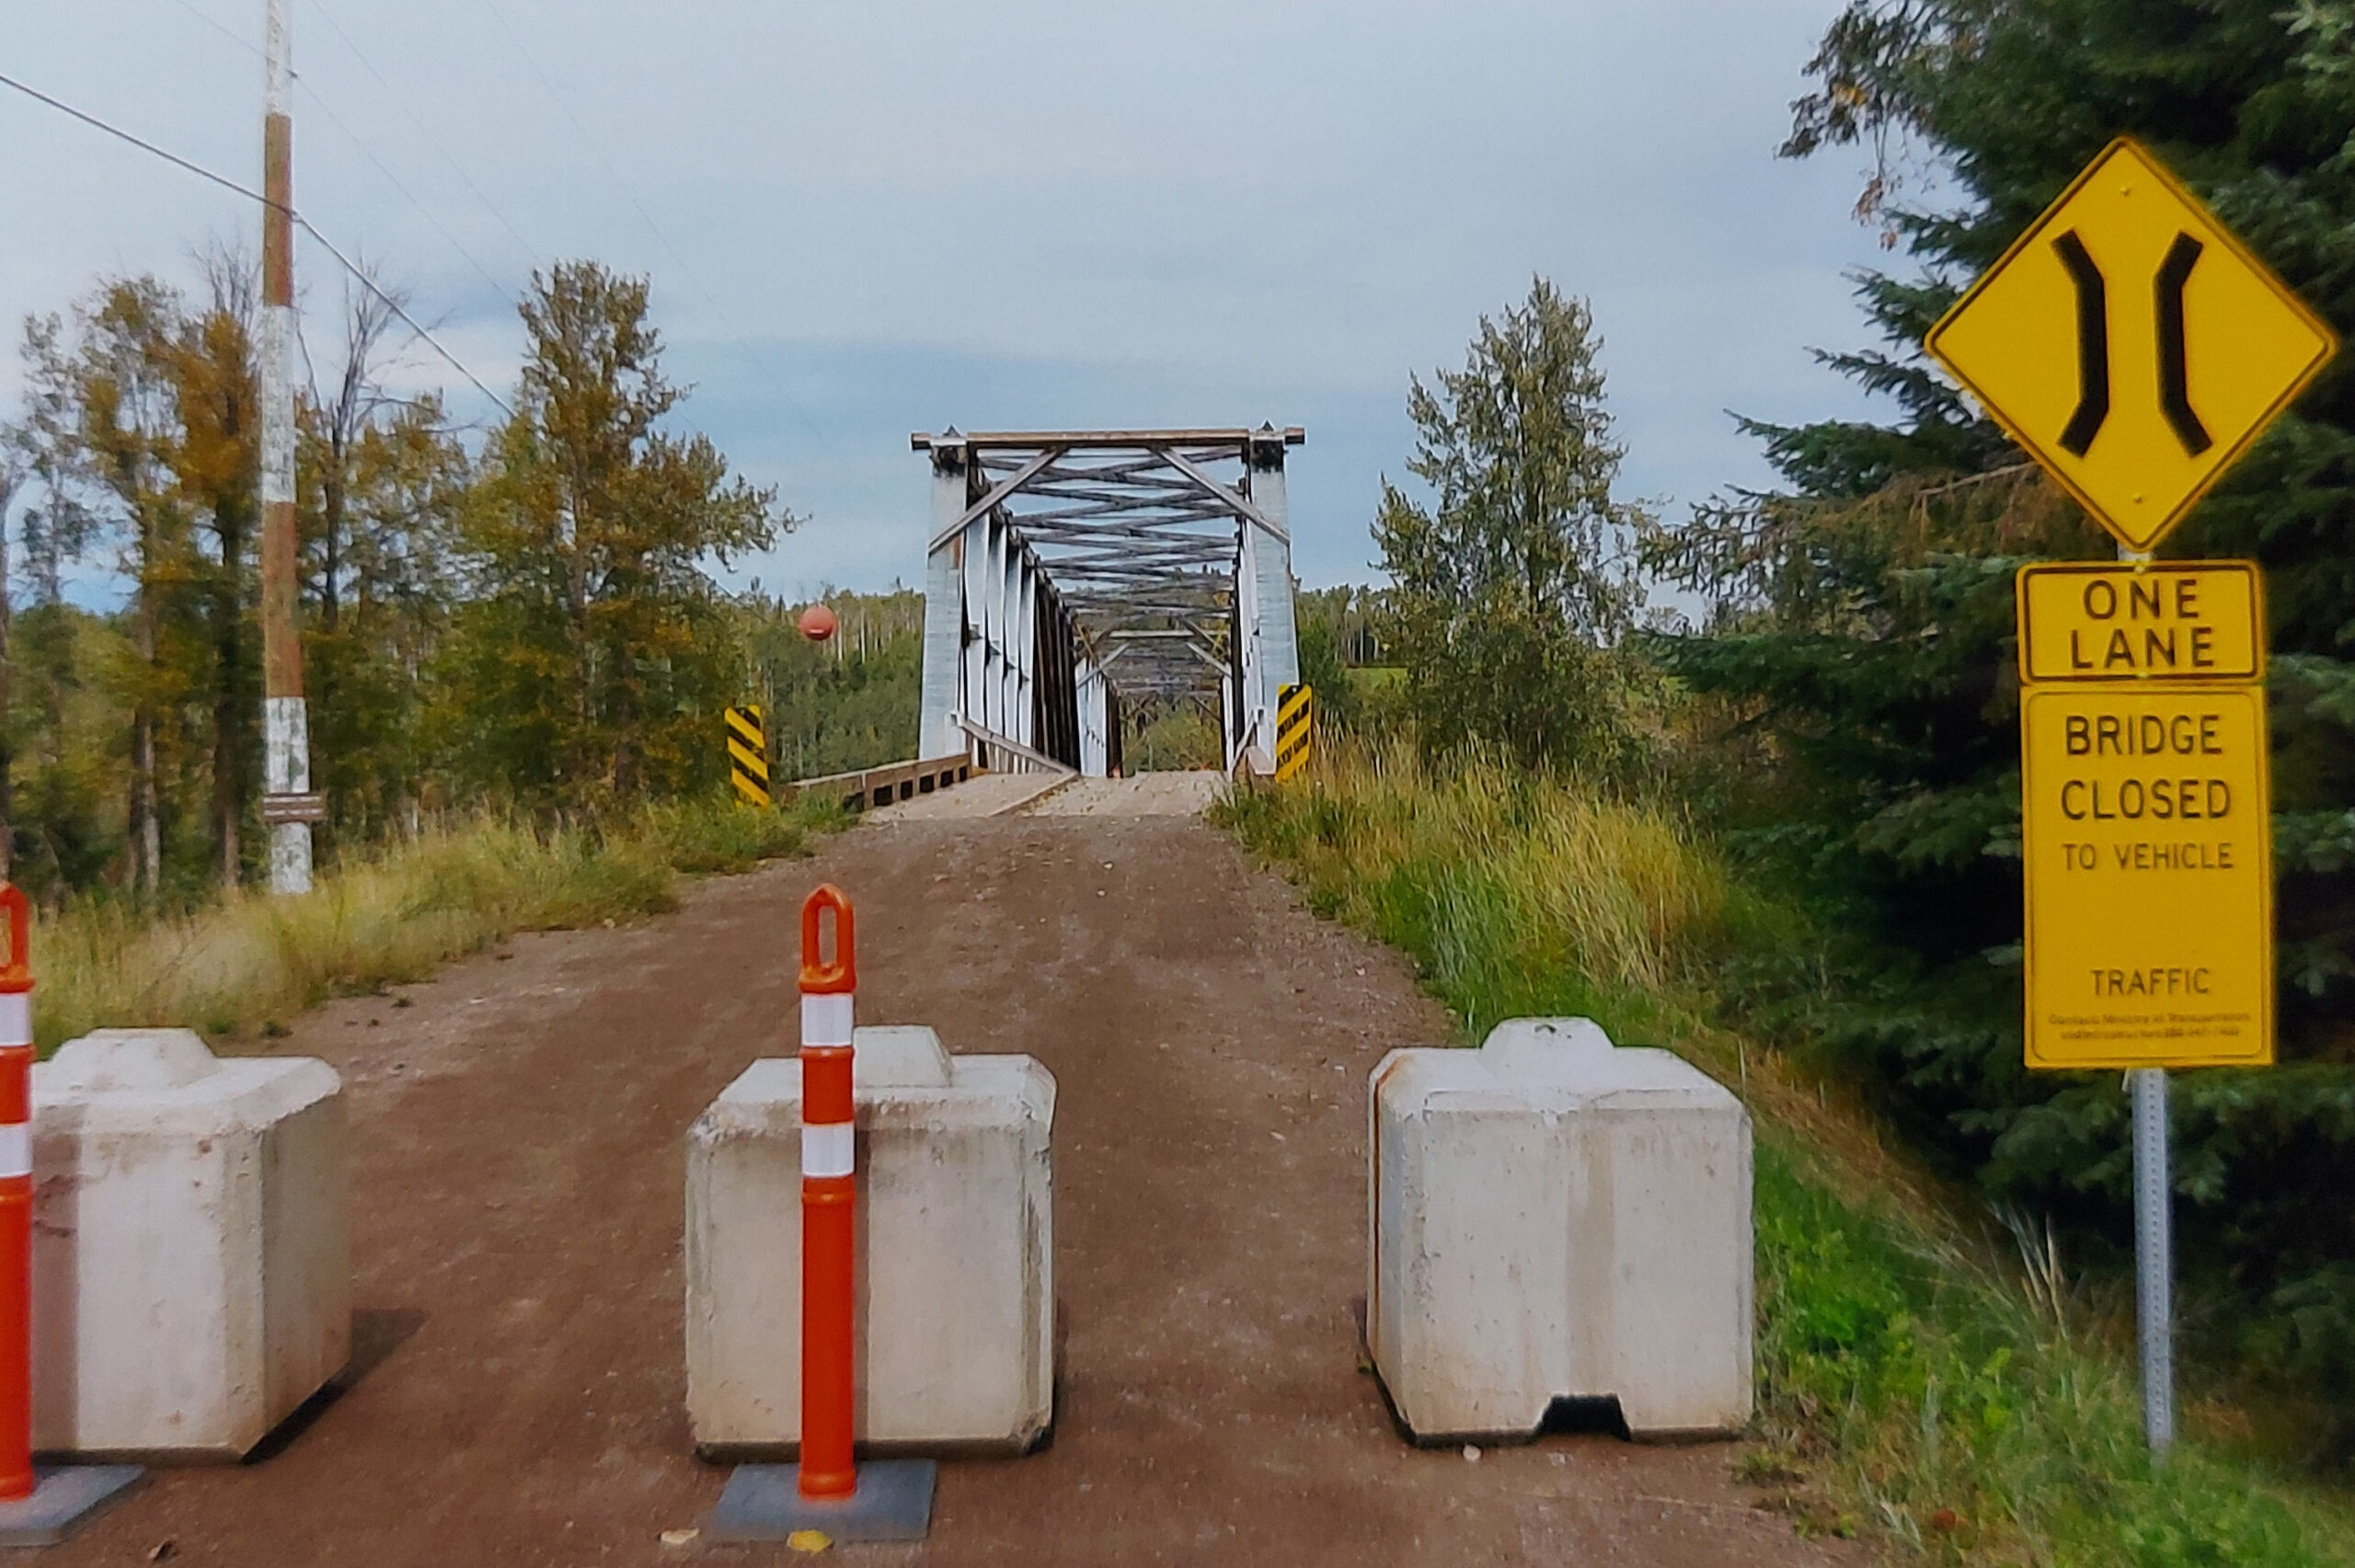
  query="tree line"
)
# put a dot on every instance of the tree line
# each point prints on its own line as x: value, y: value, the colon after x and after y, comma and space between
x: 525, y: 615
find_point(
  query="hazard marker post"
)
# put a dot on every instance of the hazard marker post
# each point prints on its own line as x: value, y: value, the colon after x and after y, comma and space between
x: 1296, y: 729
x: 2134, y: 347
x: 827, y: 1489
x: 38, y: 1508
x: 748, y: 754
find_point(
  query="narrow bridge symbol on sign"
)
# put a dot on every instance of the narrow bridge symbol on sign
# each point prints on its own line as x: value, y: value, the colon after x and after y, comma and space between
x: 2132, y: 344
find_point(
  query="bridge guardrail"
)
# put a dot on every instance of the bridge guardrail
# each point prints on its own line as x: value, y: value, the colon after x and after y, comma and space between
x: 1003, y: 754
x: 864, y: 787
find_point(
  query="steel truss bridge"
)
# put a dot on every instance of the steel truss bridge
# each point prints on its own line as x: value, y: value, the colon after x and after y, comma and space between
x: 1074, y: 577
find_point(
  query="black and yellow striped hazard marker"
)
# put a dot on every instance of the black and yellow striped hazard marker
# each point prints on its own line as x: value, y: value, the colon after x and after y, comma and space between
x: 1292, y: 729
x: 748, y: 755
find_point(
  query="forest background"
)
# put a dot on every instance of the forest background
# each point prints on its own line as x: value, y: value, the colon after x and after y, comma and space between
x: 523, y: 618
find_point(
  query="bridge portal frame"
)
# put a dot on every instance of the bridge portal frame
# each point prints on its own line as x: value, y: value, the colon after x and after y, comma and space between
x: 1073, y: 573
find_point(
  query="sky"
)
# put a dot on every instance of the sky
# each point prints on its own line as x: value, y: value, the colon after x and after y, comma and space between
x: 864, y: 218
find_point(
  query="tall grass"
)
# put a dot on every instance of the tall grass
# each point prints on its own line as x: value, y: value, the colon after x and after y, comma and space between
x: 1511, y: 880
x: 1921, y: 1379
x: 250, y: 959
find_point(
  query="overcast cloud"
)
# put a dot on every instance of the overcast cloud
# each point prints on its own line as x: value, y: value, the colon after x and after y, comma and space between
x: 869, y: 217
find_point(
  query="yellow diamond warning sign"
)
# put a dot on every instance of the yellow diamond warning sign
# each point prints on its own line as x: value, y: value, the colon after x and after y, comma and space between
x: 2150, y: 888
x: 2132, y: 344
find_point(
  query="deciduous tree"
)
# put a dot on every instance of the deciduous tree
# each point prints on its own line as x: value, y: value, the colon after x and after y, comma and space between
x: 592, y: 662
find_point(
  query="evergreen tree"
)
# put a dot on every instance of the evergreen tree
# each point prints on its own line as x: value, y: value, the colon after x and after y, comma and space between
x: 1512, y: 591
x: 1868, y: 623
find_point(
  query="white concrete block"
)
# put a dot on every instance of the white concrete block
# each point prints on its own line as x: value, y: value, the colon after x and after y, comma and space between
x: 954, y: 1249
x: 1553, y: 1217
x: 192, y: 1244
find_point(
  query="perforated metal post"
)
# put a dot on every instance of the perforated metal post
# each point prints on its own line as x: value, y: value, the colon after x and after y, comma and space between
x: 2154, y: 1247
x: 2153, y: 1236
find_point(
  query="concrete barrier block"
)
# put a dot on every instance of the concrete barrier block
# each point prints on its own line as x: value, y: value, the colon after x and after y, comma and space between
x: 191, y: 1245
x: 1553, y: 1217
x: 955, y: 1253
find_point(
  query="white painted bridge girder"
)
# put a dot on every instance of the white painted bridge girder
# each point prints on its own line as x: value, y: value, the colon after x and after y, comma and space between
x: 1075, y: 575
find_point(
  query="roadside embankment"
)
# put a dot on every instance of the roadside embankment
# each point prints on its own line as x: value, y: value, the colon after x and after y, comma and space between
x: 1929, y: 1374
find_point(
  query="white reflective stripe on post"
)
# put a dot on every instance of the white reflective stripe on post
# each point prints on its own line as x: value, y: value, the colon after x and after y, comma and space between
x: 16, y: 1150
x: 825, y: 1020
x: 15, y: 1018
x: 827, y: 1150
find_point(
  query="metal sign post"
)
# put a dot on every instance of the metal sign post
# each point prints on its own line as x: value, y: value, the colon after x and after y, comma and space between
x: 2135, y: 348
x: 2146, y: 1089
x: 2153, y: 1256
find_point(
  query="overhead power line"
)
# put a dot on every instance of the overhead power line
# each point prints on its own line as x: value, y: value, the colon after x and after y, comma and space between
x: 319, y: 101
x: 295, y: 217
x: 727, y: 321
x: 400, y: 100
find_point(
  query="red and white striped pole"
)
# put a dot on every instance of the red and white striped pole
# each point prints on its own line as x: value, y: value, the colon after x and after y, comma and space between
x: 829, y: 1198
x: 17, y: 1480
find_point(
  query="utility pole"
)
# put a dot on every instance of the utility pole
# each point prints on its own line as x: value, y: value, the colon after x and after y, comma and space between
x: 288, y: 806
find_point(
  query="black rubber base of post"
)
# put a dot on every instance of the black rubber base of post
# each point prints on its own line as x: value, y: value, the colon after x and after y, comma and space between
x: 65, y: 1498
x: 763, y: 1503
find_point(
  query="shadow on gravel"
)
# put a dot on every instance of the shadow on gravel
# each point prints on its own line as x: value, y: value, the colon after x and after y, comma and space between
x: 376, y: 1333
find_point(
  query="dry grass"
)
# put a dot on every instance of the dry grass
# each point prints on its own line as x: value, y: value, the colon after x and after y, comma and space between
x: 250, y: 960
x: 1922, y: 1379
x: 1623, y: 893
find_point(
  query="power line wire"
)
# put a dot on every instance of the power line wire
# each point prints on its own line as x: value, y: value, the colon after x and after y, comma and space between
x: 140, y: 142
x: 424, y: 211
x: 219, y: 27
x: 295, y: 217
x: 319, y: 101
x: 422, y: 130
x: 735, y: 332
x: 400, y: 310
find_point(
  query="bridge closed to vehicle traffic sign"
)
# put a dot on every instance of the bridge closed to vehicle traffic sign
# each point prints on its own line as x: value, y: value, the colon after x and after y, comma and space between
x: 2150, y: 907
x: 2135, y: 348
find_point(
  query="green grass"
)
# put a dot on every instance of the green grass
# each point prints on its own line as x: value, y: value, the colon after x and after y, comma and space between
x: 248, y: 960
x: 1923, y: 1379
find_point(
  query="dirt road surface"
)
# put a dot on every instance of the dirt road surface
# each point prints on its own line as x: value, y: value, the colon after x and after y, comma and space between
x: 519, y: 1124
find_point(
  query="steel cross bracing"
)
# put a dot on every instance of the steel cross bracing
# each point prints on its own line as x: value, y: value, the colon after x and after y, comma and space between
x: 1075, y: 575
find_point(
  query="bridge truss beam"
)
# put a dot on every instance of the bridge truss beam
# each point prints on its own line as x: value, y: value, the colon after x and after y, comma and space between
x: 1075, y: 575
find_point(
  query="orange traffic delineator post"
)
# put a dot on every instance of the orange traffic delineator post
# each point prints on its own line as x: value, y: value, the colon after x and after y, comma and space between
x: 38, y: 1508
x: 828, y: 1492
x: 17, y: 1480
x: 829, y: 1198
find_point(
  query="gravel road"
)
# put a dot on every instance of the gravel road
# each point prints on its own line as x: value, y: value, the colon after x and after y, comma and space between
x: 518, y: 1130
